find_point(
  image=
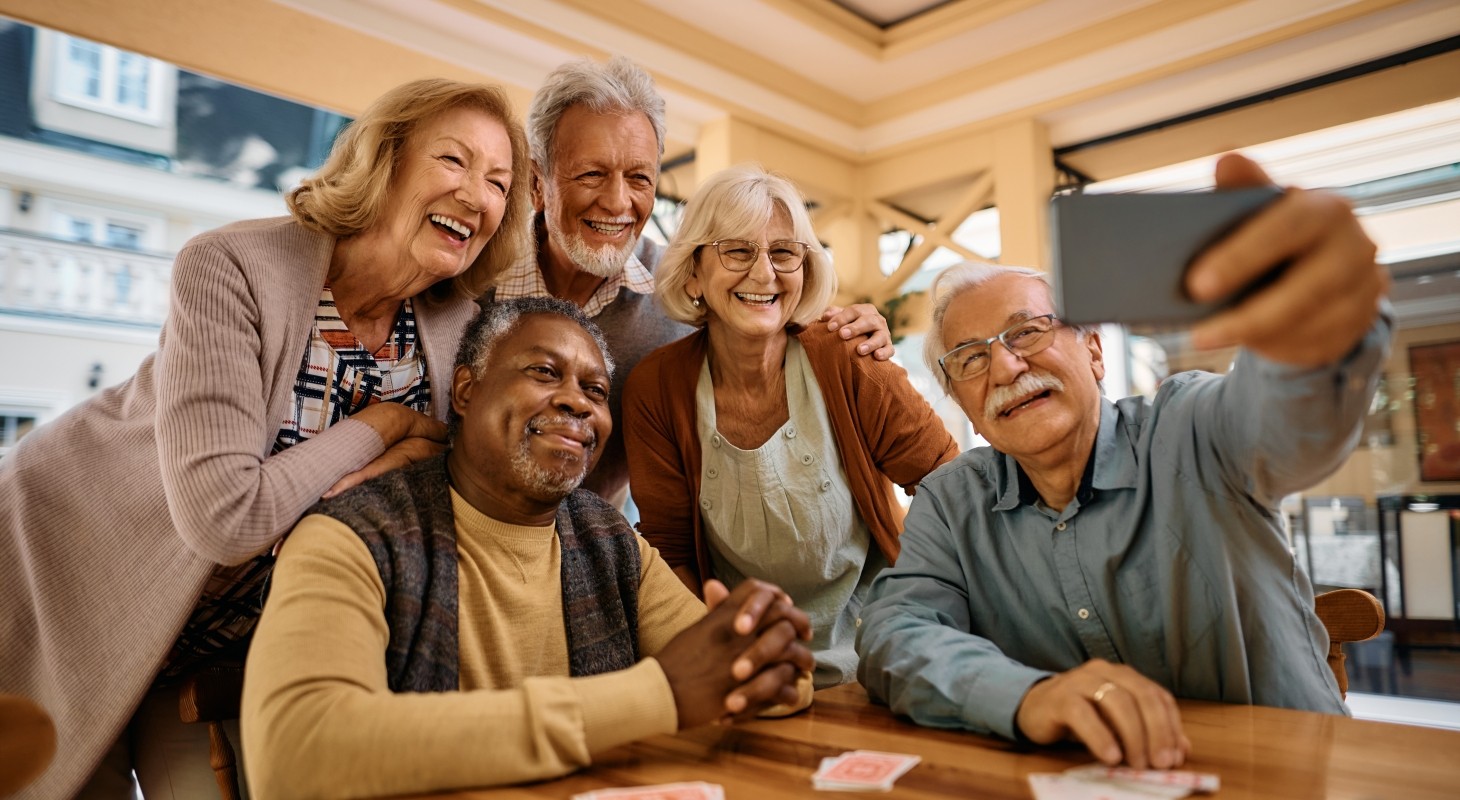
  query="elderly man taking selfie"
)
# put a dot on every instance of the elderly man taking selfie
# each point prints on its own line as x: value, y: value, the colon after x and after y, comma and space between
x: 477, y: 619
x: 1100, y: 559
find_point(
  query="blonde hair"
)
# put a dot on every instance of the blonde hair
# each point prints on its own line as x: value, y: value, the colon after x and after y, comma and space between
x: 738, y: 202
x: 347, y: 194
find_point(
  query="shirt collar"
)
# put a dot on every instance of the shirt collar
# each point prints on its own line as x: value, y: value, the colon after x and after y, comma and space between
x: 1112, y: 465
x: 523, y: 278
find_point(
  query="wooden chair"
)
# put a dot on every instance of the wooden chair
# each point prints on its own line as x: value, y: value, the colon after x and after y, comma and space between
x: 27, y: 742
x: 212, y: 696
x: 1350, y: 615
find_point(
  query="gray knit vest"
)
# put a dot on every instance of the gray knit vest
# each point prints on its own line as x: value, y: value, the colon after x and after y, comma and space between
x: 405, y: 519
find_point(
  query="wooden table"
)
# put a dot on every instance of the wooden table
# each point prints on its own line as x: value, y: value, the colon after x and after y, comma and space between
x: 1258, y: 752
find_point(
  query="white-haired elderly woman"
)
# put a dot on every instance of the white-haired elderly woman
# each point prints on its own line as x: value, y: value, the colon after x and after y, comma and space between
x: 761, y: 446
x: 301, y: 354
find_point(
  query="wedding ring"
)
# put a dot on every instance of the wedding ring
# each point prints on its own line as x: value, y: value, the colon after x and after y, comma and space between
x: 1105, y: 688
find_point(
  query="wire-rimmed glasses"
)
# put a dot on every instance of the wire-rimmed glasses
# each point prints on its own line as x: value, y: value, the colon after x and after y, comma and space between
x: 1023, y: 339
x: 739, y: 255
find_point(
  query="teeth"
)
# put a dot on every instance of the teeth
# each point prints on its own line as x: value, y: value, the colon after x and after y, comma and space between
x: 447, y: 222
x: 755, y: 298
x: 606, y: 227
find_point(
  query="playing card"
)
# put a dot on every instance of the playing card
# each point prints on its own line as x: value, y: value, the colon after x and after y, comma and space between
x: 1202, y: 782
x: 1053, y: 786
x: 862, y: 771
x: 697, y: 790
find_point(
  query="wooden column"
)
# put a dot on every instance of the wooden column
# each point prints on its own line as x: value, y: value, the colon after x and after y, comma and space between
x: 1023, y: 166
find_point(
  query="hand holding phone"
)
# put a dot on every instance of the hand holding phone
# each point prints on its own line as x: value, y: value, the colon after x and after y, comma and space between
x: 1295, y: 281
x: 1124, y: 257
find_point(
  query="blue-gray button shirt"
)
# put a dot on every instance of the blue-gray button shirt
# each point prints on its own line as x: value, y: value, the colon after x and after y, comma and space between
x: 1170, y: 558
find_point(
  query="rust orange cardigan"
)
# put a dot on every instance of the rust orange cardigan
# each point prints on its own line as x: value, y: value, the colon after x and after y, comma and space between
x: 885, y: 431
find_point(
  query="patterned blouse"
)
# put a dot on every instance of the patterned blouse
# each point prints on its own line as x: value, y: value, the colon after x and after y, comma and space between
x: 337, y: 378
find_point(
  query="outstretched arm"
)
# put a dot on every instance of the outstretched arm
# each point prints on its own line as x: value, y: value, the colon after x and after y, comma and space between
x: 1313, y: 341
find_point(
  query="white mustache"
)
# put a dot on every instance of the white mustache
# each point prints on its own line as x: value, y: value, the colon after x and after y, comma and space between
x: 564, y: 421
x: 1030, y: 383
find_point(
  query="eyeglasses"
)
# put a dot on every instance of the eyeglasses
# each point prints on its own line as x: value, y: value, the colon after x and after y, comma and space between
x: 739, y: 255
x: 1023, y: 339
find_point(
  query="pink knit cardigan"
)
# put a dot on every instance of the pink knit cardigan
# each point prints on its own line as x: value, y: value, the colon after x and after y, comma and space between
x: 113, y: 516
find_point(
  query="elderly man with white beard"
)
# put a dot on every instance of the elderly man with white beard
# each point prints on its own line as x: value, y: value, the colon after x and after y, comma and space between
x: 478, y: 620
x: 1102, y: 558
x: 597, y: 135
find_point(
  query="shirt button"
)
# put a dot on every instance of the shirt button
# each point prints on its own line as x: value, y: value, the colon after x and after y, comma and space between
x: 712, y: 472
x: 715, y: 440
x: 790, y: 433
x: 1060, y: 527
x: 1084, y: 613
x: 807, y: 459
x: 826, y: 486
x: 706, y: 504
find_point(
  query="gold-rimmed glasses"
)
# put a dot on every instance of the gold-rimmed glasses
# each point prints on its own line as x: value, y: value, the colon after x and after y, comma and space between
x: 739, y: 255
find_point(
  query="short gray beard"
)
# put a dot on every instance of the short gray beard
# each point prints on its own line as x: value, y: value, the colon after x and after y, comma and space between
x: 1027, y: 384
x: 539, y: 480
x: 605, y: 262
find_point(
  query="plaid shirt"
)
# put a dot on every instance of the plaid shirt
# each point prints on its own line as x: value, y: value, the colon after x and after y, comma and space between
x: 524, y: 279
x: 338, y: 377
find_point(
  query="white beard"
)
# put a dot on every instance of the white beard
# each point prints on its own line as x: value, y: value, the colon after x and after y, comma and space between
x: 604, y: 262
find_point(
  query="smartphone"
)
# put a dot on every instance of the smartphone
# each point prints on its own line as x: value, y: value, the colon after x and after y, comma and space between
x: 1123, y: 257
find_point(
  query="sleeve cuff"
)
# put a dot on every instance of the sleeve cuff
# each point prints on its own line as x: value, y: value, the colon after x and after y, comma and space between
x: 995, y: 700
x: 625, y: 706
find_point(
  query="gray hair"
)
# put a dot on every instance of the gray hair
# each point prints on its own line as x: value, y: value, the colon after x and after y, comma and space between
x: 618, y: 87
x: 956, y: 280
x: 498, y: 319
x: 737, y: 202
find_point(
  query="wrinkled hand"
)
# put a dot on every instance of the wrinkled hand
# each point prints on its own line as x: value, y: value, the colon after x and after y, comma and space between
x: 408, y: 435
x: 1134, y: 719
x: 861, y: 319
x: 1324, y: 301
x: 715, y: 670
x: 404, y: 452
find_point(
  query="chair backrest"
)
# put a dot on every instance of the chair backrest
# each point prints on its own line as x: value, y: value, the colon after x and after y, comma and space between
x: 211, y: 695
x: 27, y: 742
x: 1350, y: 615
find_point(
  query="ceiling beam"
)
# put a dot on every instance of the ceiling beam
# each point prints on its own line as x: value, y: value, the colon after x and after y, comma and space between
x: 1418, y: 83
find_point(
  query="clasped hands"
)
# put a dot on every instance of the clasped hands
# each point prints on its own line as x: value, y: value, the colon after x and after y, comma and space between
x: 747, y: 654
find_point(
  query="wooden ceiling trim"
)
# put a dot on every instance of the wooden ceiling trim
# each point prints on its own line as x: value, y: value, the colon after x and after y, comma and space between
x: 1356, y: 10
x: 1108, y: 33
x: 946, y: 21
x: 254, y: 43
x: 716, y: 51
x: 834, y: 21
x: 1419, y: 83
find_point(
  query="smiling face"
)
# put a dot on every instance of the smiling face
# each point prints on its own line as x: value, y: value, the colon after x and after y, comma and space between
x: 447, y: 196
x: 757, y: 304
x: 1025, y: 406
x: 599, y: 190
x: 532, y: 422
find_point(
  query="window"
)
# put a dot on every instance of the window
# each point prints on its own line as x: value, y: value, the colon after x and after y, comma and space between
x: 106, y: 79
x: 78, y: 222
x: 14, y: 425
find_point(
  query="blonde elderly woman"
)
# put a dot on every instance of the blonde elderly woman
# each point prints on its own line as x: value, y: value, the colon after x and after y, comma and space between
x: 301, y: 355
x: 759, y: 448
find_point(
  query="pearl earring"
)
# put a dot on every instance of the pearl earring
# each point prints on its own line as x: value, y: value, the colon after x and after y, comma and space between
x: 696, y: 302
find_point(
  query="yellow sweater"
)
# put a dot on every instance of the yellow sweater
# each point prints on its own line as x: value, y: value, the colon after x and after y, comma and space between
x: 320, y: 721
